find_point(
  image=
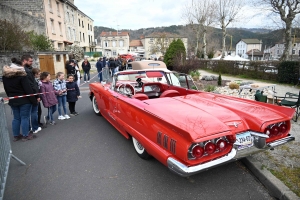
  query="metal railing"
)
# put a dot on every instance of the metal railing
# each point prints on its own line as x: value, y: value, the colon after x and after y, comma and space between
x: 5, y: 149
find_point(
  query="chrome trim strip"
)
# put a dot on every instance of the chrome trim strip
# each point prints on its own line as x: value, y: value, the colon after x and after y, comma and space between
x: 184, y: 171
x: 259, y: 135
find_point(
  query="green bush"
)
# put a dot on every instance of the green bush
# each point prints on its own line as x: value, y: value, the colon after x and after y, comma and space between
x: 210, y: 88
x: 96, y: 55
x: 220, y: 80
x: 288, y: 72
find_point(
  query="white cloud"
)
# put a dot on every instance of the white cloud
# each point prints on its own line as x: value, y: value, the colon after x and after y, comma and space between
x: 135, y: 14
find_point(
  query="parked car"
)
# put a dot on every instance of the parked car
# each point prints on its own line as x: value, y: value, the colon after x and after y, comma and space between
x: 187, y: 130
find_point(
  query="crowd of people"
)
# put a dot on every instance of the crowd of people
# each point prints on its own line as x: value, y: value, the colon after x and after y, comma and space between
x: 20, y: 79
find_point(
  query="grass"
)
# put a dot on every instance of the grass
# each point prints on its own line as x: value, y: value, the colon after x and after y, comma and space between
x: 289, y: 176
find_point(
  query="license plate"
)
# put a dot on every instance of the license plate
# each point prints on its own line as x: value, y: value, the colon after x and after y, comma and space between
x: 244, y: 140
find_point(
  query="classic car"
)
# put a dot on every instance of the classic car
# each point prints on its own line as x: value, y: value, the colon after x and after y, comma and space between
x: 187, y: 130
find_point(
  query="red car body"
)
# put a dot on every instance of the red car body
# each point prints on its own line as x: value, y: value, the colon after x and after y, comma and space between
x: 188, y: 130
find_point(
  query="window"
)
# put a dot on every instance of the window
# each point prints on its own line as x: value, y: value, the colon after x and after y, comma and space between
x: 121, y: 43
x: 83, y: 37
x: 74, y: 34
x: 73, y: 22
x: 69, y: 33
x: 79, y: 21
x: 52, y: 26
x: 106, y: 44
x: 82, y: 24
x: 114, y: 53
x: 57, y: 58
x: 91, y: 28
x: 295, y: 44
x: 88, y: 26
x: 60, y: 31
x: 89, y: 39
x: 114, y: 43
x: 80, y: 36
x: 68, y: 16
x: 57, y: 5
x: 293, y: 51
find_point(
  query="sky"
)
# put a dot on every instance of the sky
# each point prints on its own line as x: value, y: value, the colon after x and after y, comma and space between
x: 136, y: 14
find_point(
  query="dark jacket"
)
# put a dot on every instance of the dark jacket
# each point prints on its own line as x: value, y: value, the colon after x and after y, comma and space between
x: 16, y: 83
x: 112, y: 64
x: 73, y: 91
x: 86, y: 67
x: 49, y: 97
x: 99, y: 66
x: 71, y: 69
x: 32, y: 81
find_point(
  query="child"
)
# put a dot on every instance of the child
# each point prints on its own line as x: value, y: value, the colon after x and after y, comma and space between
x: 36, y: 72
x: 72, y: 94
x: 48, y: 97
x: 60, y: 86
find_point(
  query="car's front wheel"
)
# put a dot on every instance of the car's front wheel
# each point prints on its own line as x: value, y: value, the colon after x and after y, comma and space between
x: 95, y: 106
x: 140, y: 150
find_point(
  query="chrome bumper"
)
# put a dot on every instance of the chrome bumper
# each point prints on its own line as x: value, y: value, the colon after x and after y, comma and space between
x: 235, y: 154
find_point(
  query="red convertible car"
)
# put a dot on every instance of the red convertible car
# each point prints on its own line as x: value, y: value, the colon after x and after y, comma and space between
x: 187, y: 130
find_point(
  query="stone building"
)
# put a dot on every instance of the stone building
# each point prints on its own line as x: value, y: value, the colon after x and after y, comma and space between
x: 86, y: 32
x: 244, y: 46
x: 56, y: 18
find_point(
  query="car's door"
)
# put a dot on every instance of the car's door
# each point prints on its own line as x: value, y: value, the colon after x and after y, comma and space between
x: 112, y: 107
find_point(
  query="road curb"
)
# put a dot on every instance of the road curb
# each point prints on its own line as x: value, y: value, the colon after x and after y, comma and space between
x: 273, y: 184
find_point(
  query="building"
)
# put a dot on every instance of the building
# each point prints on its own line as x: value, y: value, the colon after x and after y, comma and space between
x: 59, y: 20
x: 156, y: 44
x: 136, y: 47
x: 86, y: 32
x: 113, y: 44
x: 246, y: 45
x: 275, y: 52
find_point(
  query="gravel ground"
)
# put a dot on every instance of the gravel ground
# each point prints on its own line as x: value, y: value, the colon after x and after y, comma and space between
x: 286, y: 156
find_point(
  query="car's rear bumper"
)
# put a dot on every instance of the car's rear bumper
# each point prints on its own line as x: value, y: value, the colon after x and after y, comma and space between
x: 235, y: 154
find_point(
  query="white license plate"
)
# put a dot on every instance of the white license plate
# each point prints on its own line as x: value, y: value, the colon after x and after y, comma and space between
x: 244, y: 140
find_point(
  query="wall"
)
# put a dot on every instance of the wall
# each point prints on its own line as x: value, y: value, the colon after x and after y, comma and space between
x: 28, y: 22
x: 5, y: 59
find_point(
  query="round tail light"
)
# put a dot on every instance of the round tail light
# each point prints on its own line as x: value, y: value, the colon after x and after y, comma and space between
x: 274, y: 131
x: 210, y: 148
x: 221, y: 144
x: 197, y: 151
x: 282, y: 128
x: 231, y: 138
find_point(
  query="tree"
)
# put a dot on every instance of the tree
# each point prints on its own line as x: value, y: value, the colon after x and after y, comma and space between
x: 228, y: 11
x: 12, y: 37
x: 200, y: 14
x: 40, y: 42
x: 76, y: 52
x: 175, y: 54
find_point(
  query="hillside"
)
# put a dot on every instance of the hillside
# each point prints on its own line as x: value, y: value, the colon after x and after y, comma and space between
x: 214, y: 37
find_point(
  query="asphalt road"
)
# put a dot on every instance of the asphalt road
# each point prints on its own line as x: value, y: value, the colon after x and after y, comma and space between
x: 86, y: 158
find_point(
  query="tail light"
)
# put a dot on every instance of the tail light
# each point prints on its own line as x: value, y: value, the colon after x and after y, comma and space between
x: 197, y: 151
x: 231, y: 138
x: 276, y: 131
x: 221, y: 144
x: 210, y: 148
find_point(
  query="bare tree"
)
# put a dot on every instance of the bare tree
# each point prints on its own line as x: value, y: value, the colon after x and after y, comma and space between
x: 287, y: 10
x: 228, y: 11
x: 200, y: 14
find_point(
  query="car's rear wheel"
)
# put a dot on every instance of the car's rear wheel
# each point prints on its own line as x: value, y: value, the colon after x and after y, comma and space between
x: 95, y: 106
x: 140, y: 150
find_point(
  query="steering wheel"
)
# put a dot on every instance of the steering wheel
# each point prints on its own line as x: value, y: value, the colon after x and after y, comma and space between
x: 126, y: 89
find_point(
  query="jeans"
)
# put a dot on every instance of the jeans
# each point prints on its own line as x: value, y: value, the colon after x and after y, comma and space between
x: 34, y: 117
x: 100, y: 76
x: 51, y: 110
x: 105, y: 73
x: 62, y: 102
x: 21, y: 119
x: 88, y: 75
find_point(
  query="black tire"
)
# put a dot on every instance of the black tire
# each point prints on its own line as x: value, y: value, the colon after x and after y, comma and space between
x: 95, y: 106
x: 140, y: 150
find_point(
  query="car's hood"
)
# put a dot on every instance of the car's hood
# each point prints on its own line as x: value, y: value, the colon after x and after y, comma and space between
x: 206, y: 114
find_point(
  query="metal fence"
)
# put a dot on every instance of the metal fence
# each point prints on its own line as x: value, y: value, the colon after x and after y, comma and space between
x: 5, y: 149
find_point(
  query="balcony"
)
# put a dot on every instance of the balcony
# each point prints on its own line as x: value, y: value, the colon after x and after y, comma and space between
x: 92, y: 44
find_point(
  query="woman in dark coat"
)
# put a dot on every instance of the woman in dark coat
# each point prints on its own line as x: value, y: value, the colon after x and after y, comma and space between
x: 86, y: 67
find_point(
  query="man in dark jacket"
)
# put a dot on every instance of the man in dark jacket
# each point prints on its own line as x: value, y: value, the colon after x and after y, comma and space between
x: 27, y: 61
x: 112, y: 66
x: 86, y: 67
x: 16, y: 83
x: 99, y: 66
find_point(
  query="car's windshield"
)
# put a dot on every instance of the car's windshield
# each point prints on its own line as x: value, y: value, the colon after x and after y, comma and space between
x: 146, y: 76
